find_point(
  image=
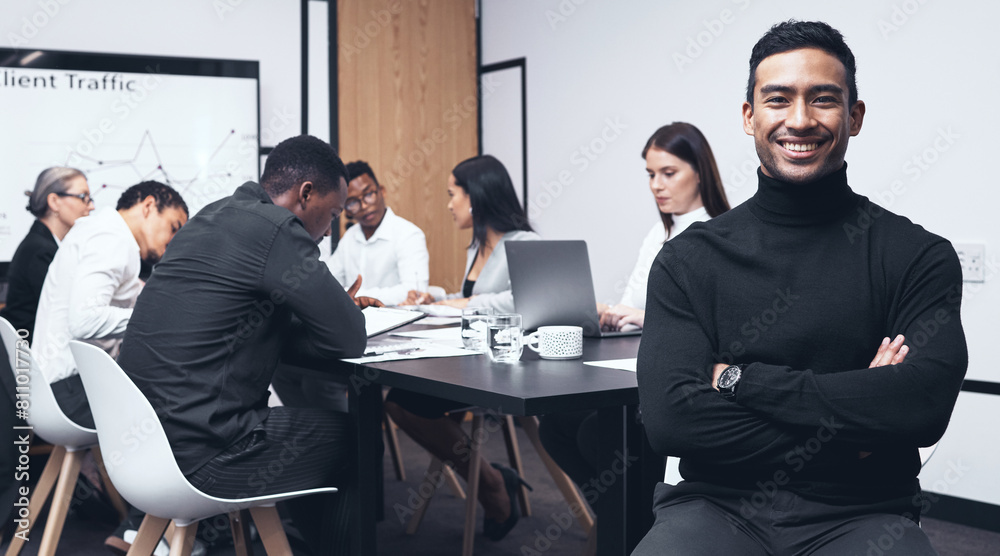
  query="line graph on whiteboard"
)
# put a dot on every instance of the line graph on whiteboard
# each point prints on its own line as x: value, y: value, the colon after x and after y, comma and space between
x: 200, y: 173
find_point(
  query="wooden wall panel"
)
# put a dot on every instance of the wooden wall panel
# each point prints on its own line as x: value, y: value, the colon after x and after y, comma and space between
x: 407, y: 106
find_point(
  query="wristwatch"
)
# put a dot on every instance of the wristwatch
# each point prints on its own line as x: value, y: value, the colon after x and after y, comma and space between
x: 728, y: 380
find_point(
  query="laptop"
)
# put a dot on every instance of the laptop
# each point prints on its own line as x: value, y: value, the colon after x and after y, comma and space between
x: 552, y: 285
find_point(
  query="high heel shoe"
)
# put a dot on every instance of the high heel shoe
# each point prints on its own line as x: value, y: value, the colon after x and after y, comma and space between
x: 496, y: 530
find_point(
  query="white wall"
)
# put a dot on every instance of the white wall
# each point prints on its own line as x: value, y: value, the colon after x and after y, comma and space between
x: 604, y: 75
x: 270, y: 32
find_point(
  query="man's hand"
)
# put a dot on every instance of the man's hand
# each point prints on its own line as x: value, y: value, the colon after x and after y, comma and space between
x: 716, y: 371
x: 413, y: 297
x: 362, y: 301
x: 890, y: 353
x: 615, y: 318
x: 461, y: 302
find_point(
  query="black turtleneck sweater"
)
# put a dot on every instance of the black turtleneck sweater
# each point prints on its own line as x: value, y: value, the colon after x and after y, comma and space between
x: 800, y: 284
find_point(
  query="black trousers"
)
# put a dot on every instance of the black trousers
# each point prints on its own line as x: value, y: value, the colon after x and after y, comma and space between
x: 293, y: 449
x: 701, y: 519
x: 72, y: 399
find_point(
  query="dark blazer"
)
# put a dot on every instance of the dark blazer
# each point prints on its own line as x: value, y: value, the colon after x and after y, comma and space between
x: 27, y: 274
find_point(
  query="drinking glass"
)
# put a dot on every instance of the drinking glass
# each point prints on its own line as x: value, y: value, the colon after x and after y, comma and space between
x: 503, y: 337
x: 474, y: 322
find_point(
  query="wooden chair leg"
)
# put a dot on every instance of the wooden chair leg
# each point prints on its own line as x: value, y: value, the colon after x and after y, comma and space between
x: 565, y: 484
x: 429, y: 485
x: 514, y: 456
x: 60, y: 502
x: 149, y: 535
x: 238, y: 522
x: 472, y: 485
x: 50, y: 473
x: 393, y: 444
x: 451, y: 480
x: 182, y: 539
x: 116, y: 499
x: 271, y: 532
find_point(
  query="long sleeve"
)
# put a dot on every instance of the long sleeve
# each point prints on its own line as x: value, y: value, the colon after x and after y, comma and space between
x: 412, y: 267
x: 335, y: 262
x: 635, y: 289
x: 101, y: 271
x: 906, y: 404
x: 333, y: 326
x: 683, y: 415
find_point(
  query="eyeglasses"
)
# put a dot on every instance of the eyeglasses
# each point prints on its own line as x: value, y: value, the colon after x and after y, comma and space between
x: 85, y: 197
x: 354, y: 205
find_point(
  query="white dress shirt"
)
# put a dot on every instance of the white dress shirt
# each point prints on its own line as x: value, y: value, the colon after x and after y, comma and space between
x: 635, y: 291
x: 391, y: 262
x: 89, y: 291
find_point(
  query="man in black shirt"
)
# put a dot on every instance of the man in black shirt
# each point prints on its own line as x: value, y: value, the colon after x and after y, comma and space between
x: 773, y: 360
x: 241, y: 288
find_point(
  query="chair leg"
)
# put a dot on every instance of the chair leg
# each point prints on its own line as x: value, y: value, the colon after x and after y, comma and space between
x: 472, y: 484
x: 182, y: 539
x: 429, y: 485
x: 565, y: 484
x: 393, y: 445
x: 514, y: 456
x: 149, y: 535
x: 238, y: 521
x: 271, y: 532
x: 451, y: 480
x: 60, y: 502
x: 109, y: 489
x: 38, y: 499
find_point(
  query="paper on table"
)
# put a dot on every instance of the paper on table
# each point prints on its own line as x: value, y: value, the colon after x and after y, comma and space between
x: 453, y: 333
x: 381, y: 319
x: 437, y: 321
x: 622, y: 364
x: 423, y: 351
x: 440, y: 310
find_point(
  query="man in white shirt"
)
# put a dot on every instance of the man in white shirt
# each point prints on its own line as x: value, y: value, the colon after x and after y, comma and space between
x: 386, y: 251
x: 93, y: 283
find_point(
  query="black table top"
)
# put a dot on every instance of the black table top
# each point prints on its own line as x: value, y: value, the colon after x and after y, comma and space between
x: 531, y: 386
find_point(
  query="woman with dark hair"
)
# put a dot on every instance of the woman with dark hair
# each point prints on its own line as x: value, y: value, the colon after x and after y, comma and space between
x: 686, y: 185
x: 60, y: 197
x: 482, y: 198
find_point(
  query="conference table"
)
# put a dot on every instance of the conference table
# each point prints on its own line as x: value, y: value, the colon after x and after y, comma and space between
x: 531, y: 386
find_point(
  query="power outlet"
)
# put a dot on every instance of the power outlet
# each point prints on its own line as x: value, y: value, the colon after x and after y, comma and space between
x: 971, y: 255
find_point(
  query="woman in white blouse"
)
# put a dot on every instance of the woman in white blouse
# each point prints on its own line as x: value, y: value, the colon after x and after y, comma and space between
x: 686, y: 186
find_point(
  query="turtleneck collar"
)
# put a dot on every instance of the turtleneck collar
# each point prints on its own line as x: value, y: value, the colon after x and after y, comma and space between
x: 682, y: 221
x: 822, y: 200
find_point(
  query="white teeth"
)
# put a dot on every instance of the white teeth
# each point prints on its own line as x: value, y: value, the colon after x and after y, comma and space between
x: 799, y: 147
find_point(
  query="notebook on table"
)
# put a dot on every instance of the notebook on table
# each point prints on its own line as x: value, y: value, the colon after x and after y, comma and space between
x: 552, y: 286
x: 384, y: 319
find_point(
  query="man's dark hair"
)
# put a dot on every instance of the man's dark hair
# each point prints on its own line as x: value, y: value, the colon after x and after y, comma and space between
x: 166, y: 196
x: 793, y: 35
x: 301, y: 159
x: 492, y: 198
x: 359, y: 168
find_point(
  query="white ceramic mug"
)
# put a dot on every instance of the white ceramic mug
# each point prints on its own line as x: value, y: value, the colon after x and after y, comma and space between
x: 556, y: 342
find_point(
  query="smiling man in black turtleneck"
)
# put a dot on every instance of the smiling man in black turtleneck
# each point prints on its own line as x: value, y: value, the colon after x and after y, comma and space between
x: 801, y: 347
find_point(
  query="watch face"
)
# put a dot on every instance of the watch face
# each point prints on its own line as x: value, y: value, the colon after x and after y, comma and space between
x: 729, y: 377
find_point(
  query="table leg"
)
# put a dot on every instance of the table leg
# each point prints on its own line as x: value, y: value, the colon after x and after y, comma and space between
x: 644, y: 472
x: 365, y: 400
x: 612, y: 510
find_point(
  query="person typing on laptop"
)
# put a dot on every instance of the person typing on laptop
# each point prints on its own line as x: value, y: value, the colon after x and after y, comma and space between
x: 687, y: 188
x: 482, y: 198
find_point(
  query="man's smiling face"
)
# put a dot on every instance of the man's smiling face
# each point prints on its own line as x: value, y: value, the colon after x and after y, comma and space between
x: 800, y: 118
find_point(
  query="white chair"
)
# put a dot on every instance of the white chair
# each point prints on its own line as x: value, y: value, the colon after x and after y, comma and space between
x: 142, y: 466
x: 70, y: 444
